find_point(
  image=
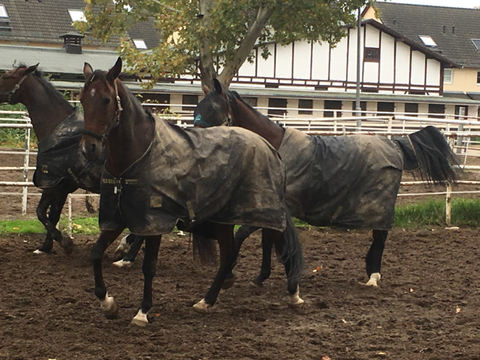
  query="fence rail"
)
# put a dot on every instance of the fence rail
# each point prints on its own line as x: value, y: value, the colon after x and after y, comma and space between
x: 462, y: 132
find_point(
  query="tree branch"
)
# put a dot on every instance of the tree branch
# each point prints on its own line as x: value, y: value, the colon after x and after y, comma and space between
x: 231, y: 67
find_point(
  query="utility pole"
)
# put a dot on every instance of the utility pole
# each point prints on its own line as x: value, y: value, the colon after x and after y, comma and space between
x: 358, y: 108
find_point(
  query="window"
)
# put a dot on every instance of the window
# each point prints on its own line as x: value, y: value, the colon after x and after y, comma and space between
x: 436, y: 109
x: 76, y: 15
x: 476, y: 42
x: 277, y: 103
x: 427, y: 40
x: 371, y: 55
x: 140, y: 44
x: 189, y: 102
x: 461, y: 111
x: 478, y: 77
x: 411, y: 109
x: 3, y: 11
x: 387, y: 108
x: 447, y: 76
x: 305, y: 104
x: 333, y: 105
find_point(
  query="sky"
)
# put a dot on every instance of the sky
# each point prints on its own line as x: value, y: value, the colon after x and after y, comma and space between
x: 449, y: 3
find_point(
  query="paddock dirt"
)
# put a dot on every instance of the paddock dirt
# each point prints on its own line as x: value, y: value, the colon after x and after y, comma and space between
x: 425, y: 308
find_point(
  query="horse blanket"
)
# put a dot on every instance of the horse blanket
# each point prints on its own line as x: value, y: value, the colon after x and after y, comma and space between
x: 60, y: 157
x: 346, y: 181
x: 224, y: 175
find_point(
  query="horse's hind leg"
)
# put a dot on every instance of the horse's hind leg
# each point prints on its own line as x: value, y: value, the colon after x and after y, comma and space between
x: 240, y: 236
x: 152, y: 244
x: 228, y: 256
x: 108, y: 304
x: 266, y: 269
x: 288, y: 249
x: 54, y: 216
x: 42, y: 207
x: 129, y: 258
x: 374, y: 257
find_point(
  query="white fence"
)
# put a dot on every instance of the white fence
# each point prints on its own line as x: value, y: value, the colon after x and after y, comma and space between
x: 462, y: 132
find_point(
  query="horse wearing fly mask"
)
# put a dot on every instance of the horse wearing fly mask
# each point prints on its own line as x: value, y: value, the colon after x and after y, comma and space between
x: 344, y: 181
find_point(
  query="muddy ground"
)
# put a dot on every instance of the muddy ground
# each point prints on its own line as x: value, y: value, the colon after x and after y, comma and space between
x: 427, y: 305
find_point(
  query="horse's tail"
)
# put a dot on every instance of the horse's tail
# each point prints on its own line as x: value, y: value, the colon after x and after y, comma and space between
x: 204, y: 248
x: 292, y: 251
x: 436, y: 159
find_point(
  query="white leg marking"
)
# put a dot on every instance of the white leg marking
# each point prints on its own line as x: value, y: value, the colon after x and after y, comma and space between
x: 122, y: 263
x: 295, y: 299
x: 374, y: 279
x: 181, y: 233
x: 122, y: 247
x: 201, y: 306
x: 38, y: 252
x: 140, y: 319
x: 109, y: 307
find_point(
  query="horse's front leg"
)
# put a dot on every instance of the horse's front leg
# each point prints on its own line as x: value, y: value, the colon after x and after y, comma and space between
x: 228, y: 256
x: 108, y: 304
x: 152, y: 244
x: 374, y: 257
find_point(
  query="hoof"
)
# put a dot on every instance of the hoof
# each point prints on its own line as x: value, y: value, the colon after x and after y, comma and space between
x: 257, y: 282
x: 374, y: 279
x: 109, y: 307
x: 123, y: 263
x: 295, y: 300
x: 39, y: 252
x: 201, y: 306
x: 228, y: 283
x: 140, y: 319
x: 67, y: 245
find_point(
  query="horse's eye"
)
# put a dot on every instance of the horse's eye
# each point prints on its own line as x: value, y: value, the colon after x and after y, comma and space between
x: 106, y: 100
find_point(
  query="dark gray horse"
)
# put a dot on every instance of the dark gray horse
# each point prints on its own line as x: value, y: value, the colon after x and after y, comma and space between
x: 345, y: 181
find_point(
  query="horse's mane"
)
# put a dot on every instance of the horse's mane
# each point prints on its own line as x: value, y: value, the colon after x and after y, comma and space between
x: 47, y: 85
x: 255, y: 111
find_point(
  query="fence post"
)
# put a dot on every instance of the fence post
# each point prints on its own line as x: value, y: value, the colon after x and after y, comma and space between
x: 26, y: 162
x: 70, y: 231
x: 448, y: 205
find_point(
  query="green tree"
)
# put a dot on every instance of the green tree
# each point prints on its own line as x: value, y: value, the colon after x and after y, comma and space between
x: 220, y: 33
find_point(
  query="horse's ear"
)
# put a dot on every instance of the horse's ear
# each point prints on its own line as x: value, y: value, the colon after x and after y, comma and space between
x: 218, y: 86
x: 87, y: 70
x: 205, y: 89
x: 30, y: 69
x: 115, y: 71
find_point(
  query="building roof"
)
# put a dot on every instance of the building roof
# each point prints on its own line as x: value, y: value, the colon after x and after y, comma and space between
x: 452, y: 29
x: 44, y: 21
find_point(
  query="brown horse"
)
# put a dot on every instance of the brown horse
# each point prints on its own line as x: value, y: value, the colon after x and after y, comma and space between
x: 61, y: 168
x: 345, y: 181
x: 158, y: 176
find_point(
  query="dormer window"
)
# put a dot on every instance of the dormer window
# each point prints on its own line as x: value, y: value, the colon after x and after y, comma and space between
x: 3, y: 12
x: 76, y: 15
x: 140, y: 44
x: 427, y: 40
x: 476, y: 42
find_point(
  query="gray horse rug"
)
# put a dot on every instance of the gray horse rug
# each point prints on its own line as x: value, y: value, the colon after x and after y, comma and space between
x: 346, y: 181
x: 59, y: 157
x: 224, y: 175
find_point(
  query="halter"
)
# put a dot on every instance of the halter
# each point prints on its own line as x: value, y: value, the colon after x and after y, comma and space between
x: 14, y: 90
x: 115, y: 121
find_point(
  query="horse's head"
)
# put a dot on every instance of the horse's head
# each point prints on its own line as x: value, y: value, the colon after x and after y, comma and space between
x: 214, y: 108
x: 11, y: 81
x: 101, y: 107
